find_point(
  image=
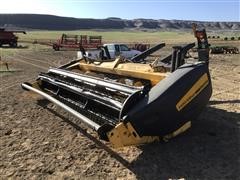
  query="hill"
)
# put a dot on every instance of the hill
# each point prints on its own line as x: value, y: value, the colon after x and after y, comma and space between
x: 50, y: 22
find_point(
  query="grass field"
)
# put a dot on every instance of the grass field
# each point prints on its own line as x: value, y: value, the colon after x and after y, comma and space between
x: 133, y: 36
x: 113, y: 36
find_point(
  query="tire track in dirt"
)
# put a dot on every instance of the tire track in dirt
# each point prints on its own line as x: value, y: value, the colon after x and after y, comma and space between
x: 48, y: 56
x: 3, y: 81
x: 15, y: 84
x: 6, y: 86
x: 32, y: 59
x: 32, y: 64
x: 28, y: 59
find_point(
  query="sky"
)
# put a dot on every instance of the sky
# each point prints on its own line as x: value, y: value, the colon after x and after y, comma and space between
x: 203, y: 10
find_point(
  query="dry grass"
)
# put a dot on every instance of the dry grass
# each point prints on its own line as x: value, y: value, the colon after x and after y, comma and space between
x: 115, y: 36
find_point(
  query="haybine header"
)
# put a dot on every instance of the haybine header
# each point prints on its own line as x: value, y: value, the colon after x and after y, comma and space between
x: 132, y: 103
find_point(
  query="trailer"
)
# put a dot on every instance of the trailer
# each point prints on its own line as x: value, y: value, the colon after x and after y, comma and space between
x: 8, y: 37
x: 77, y: 41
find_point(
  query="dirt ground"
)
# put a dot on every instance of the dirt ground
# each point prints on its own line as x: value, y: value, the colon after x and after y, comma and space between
x: 40, y: 141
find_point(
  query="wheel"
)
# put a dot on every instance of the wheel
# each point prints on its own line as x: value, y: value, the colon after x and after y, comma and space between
x: 13, y: 44
x: 56, y: 47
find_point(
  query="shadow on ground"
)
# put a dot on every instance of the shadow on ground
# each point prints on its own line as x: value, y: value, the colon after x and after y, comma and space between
x: 18, y: 47
x: 44, y: 103
x: 224, y: 102
x: 209, y: 150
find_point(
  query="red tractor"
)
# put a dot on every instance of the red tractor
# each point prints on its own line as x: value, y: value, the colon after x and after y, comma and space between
x: 77, y: 41
x: 8, y: 37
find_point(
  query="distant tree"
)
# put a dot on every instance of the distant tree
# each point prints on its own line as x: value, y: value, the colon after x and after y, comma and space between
x: 225, y: 38
x: 232, y: 38
x: 213, y: 37
x: 209, y: 37
x: 238, y: 38
x: 218, y: 37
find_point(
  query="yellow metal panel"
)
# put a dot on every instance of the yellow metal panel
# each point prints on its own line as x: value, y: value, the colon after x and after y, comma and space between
x: 193, y: 92
x: 135, y: 70
x: 125, y: 135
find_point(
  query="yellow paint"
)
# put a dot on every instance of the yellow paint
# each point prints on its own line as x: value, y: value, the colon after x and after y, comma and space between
x: 135, y: 70
x: 193, y: 92
x: 37, y: 84
x: 182, y: 129
x: 125, y: 135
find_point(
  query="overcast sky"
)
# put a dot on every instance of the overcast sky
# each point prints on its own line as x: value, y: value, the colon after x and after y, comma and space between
x: 205, y: 10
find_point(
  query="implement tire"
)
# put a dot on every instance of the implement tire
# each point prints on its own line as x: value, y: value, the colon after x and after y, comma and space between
x: 56, y: 47
x: 13, y: 44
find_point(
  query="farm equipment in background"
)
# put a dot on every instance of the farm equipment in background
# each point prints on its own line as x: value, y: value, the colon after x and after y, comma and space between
x: 109, y: 51
x: 8, y: 37
x: 224, y: 50
x: 140, y: 47
x: 77, y: 42
x: 131, y: 103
